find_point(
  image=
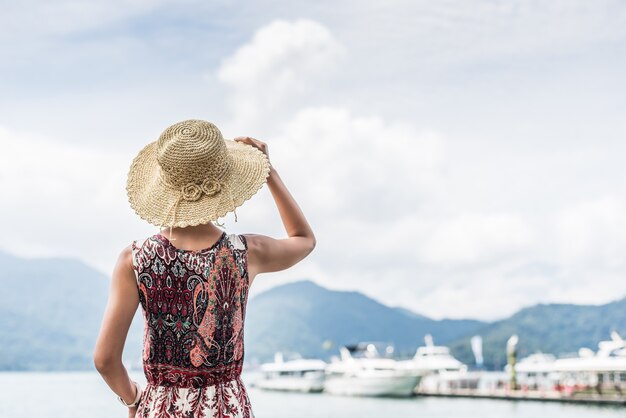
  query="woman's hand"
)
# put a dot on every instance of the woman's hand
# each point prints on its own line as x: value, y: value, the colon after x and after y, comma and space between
x: 132, y: 412
x: 255, y: 143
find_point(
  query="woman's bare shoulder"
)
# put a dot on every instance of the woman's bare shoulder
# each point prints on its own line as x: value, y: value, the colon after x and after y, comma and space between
x: 254, y: 242
x: 125, y: 257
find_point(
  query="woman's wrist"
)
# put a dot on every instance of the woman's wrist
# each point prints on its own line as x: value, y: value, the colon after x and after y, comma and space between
x: 272, y: 174
x: 136, y: 398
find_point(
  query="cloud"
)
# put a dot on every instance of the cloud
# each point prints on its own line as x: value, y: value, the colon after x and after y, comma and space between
x: 281, y: 64
x: 358, y: 179
x: 366, y: 184
x: 476, y: 238
x: 365, y: 167
x: 375, y: 191
x: 590, y: 248
x: 57, y: 197
x: 444, y: 152
x: 593, y: 233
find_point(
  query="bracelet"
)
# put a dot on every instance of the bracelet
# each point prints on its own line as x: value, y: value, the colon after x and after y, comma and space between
x: 137, y: 397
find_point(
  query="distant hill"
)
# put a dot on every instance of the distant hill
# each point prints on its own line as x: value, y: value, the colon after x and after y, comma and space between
x: 550, y: 328
x: 51, y: 311
x: 302, y: 316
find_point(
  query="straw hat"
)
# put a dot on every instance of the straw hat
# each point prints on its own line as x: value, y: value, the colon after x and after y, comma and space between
x: 191, y: 175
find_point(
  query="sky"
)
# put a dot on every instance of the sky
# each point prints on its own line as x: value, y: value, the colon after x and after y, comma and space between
x: 456, y: 158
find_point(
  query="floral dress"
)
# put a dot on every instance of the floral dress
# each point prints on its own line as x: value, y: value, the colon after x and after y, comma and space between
x: 194, y: 305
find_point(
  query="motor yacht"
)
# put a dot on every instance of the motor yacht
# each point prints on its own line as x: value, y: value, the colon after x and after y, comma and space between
x: 432, y: 358
x: 367, y: 369
x: 440, y: 371
x: 294, y: 375
x: 604, y: 368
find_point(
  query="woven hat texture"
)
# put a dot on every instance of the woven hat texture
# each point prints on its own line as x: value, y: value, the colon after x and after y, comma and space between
x: 191, y: 175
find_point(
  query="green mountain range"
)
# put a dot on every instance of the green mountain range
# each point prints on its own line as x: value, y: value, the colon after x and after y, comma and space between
x: 313, y: 321
x: 51, y: 311
x: 561, y: 329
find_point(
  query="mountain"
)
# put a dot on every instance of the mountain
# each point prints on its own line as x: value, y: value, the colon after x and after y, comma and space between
x: 550, y: 328
x: 306, y: 318
x: 51, y: 311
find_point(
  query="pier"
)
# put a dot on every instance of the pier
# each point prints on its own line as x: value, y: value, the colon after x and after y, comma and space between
x: 540, y: 396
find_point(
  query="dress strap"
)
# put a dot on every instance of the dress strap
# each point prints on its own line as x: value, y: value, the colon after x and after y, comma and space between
x: 136, y: 247
x: 242, y: 238
x: 238, y: 242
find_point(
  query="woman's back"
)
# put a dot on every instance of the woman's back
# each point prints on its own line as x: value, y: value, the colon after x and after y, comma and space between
x: 194, y: 302
x: 194, y: 305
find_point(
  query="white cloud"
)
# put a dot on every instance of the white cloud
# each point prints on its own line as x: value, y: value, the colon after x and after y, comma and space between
x: 362, y: 167
x: 376, y: 193
x: 280, y: 64
x: 58, y: 196
x: 593, y: 233
x: 591, y: 250
x: 283, y: 53
x: 440, y: 149
x: 476, y: 238
x: 367, y: 185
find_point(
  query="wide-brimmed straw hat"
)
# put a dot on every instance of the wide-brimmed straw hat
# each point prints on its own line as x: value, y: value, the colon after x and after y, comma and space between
x: 191, y: 175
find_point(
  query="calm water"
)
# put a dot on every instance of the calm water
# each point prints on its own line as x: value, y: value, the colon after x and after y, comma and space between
x: 73, y: 395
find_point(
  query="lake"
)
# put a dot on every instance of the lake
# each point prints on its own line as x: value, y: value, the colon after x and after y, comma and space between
x: 74, y: 395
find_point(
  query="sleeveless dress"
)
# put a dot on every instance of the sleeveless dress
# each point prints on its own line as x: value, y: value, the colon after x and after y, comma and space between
x: 194, y: 305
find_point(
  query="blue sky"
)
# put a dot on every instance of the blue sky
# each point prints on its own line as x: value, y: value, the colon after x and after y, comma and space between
x: 458, y: 158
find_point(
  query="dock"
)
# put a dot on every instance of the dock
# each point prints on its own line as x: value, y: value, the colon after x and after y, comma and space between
x: 537, y: 396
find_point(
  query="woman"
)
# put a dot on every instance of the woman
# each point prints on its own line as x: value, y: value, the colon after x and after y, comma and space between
x: 193, y: 293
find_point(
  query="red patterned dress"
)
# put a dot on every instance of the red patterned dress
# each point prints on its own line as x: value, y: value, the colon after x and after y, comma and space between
x: 194, y: 305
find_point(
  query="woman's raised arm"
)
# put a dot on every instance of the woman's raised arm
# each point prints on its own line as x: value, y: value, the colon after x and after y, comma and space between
x: 266, y: 254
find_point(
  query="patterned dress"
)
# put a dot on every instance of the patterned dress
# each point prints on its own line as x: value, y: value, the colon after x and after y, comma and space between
x: 194, y: 305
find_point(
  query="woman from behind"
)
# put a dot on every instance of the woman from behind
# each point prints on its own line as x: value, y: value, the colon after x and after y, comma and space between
x: 192, y: 279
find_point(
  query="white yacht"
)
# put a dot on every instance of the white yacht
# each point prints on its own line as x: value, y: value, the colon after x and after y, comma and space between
x: 606, y: 367
x: 365, y: 369
x: 536, y: 371
x: 439, y: 369
x: 294, y: 375
x: 432, y: 358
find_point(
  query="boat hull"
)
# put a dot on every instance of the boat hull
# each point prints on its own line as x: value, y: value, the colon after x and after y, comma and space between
x: 394, y: 386
x: 293, y: 384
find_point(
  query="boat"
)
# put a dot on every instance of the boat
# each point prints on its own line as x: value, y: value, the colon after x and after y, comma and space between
x: 439, y: 369
x: 294, y: 375
x: 536, y: 372
x: 431, y: 358
x: 365, y: 369
x: 601, y: 370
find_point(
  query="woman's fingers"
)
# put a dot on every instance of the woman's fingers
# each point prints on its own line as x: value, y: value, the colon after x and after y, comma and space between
x: 254, y: 142
x: 250, y: 141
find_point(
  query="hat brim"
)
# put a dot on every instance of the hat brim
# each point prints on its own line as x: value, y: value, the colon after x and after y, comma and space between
x: 151, y: 199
